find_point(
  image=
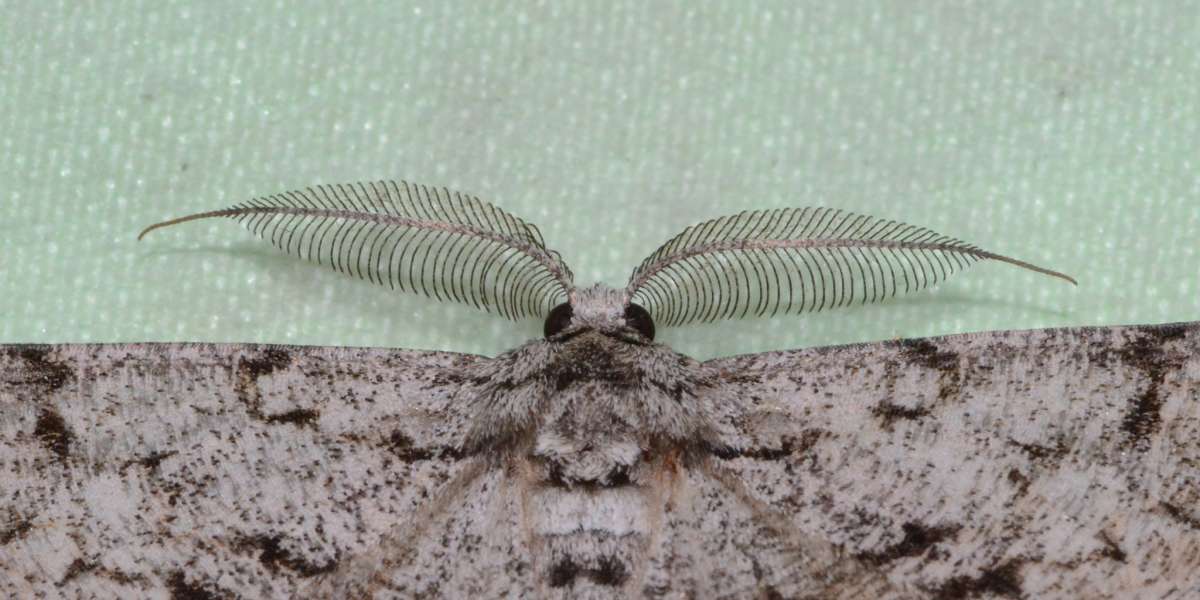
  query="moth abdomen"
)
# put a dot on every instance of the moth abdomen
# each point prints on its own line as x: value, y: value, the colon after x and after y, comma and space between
x: 609, y: 571
x: 593, y: 539
x: 615, y: 477
x: 595, y: 508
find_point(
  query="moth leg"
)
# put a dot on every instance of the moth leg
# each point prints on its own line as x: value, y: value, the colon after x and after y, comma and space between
x: 362, y: 576
x: 669, y: 565
x: 660, y: 493
x: 525, y: 481
x: 839, y: 575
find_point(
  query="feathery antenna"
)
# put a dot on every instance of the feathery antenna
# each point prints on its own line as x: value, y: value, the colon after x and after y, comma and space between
x: 793, y: 260
x: 431, y: 241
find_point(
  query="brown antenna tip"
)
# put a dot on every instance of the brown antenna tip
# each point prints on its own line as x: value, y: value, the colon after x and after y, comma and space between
x: 204, y: 215
x: 1025, y: 265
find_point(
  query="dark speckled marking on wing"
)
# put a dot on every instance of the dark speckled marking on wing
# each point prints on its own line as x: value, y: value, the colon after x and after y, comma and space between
x: 254, y: 366
x: 1146, y: 354
x: 31, y: 369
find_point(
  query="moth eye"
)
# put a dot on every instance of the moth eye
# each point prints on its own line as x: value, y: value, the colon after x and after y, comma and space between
x: 558, y: 319
x: 639, y: 319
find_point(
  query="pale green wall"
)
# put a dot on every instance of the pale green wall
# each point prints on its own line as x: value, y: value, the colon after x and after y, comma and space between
x: 1062, y: 133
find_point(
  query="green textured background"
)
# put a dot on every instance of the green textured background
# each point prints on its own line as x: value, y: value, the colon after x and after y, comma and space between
x: 1064, y: 133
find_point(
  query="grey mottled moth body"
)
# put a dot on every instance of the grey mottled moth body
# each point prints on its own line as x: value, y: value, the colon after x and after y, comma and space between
x: 596, y: 463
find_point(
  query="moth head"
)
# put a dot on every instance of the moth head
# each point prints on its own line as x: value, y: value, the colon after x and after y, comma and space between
x: 599, y: 308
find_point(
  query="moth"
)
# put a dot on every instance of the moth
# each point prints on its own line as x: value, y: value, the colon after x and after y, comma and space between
x: 595, y: 462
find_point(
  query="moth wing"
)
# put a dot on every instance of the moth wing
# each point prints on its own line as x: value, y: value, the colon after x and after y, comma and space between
x: 191, y: 469
x: 1047, y: 463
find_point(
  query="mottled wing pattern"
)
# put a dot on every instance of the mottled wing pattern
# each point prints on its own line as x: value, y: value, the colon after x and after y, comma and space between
x: 198, y: 471
x: 1059, y: 463
x: 1031, y: 464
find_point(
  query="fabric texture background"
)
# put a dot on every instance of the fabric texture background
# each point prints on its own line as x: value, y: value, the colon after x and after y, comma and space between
x: 1063, y: 133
